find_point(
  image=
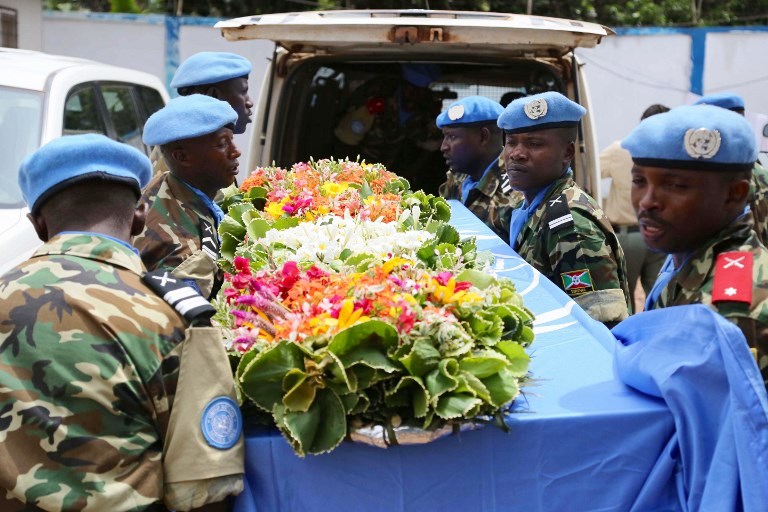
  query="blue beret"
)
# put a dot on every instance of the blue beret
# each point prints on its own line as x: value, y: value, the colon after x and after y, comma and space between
x: 75, y: 158
x: 187, y: 117
x: 210, y: 68
x: 540, y: 112
x: 729, y: 100
x: 470, y: 110
x: 694, y: 137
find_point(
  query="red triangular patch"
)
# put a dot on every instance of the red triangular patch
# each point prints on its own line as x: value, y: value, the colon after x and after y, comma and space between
x: 733, y: 277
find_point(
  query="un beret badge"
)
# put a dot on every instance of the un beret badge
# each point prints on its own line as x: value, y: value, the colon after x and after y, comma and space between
x: 456, y: 112
x: 702, y: 143
x: 536, y: 108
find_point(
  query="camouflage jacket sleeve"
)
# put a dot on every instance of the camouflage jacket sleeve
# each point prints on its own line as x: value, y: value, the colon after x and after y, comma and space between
x: 568, y: 243
x: 89, y: 361
x: 178, y: 236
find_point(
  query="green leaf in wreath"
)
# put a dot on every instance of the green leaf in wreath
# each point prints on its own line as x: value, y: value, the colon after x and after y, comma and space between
x: 448, y: 234
x: 409, y: 393
x: 516, y: 355
x: 299, y: 389
x: 483, y: 363
x: 371, y: 333
x: 485, y: 326
x: 318, y: 430
x: 442, y: 211
x: 422, y: 358
x: 513, y: 325
x: 502, y: 387
x: 442, y: 379
x: 229, y: 245
x: 262, y: 378
x: 285, y: 223
x: 470, y: 384
x: 231, y: 226
x: 479, y: 279
x: 365, y: 191
x: 452, y: 406
x: 236, y: 211
x: 257, y: 228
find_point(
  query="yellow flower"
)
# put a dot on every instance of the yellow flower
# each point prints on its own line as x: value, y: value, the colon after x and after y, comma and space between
x: 349, y: 316
x: 447, y: 294
x: 275, y: 210
x: 334, y: 189
x: 397, y: 261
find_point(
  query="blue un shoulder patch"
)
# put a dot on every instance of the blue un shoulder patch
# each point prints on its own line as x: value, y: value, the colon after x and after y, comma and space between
x: 221, y: 423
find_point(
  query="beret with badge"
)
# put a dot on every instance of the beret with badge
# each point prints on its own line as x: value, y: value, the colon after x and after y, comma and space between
x: 700, y: 137
x: 729, y: 100
x: 540, y: 112
x: 210, y: 68
x: 472, y: 110
x: 73, y: 159
x: 187, y: 117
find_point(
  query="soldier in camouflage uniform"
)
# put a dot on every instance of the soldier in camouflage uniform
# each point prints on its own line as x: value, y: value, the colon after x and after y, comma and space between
x: 195, y: 134
x: 94, y: 411
x: 758, y: 193
x: 471, y: 148
x: 220, y: 75
x: 559, y: 229
x: 690, y: 185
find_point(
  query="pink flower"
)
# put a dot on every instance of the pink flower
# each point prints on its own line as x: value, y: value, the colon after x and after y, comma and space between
x: 443, y: 278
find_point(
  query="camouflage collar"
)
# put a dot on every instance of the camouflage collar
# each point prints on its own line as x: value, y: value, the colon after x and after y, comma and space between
x: 187, y: 197
x: 490, y: 180
x: 735, y: 236
x: 92, y: 247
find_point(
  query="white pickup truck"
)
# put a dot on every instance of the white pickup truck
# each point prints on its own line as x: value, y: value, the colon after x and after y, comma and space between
x: 43, y: 97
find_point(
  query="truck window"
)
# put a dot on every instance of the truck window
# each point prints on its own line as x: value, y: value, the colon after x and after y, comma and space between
x: 123, y: 114
x: 81, y: 113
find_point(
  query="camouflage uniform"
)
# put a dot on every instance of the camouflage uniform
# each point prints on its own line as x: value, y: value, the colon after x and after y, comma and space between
x: 159, y: 166
x: 569, y: 240
x: 487, y: 200
x: 89, y: 367
x: 692, y: 284
x: 758, y: 201
x: 180, y: 234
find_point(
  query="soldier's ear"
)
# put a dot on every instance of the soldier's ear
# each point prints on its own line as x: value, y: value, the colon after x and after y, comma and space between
x: 214, y: 92
x: 41, y: 228
x: 569, y: 153
x: 180, y: 156
x: 738, y: 192
x: 139, y: 218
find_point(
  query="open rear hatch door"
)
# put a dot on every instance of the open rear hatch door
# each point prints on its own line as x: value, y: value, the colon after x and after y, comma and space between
x: 368, y: 32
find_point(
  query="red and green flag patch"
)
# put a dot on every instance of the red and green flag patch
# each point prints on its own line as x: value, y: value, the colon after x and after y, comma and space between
x: 577, y: 282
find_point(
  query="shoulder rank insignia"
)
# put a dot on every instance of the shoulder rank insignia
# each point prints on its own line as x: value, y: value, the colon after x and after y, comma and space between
x: 184, y: 299
x: 209, y: 239
x: 558, y: 213
x: 577, y: 282
x: 733, y: 277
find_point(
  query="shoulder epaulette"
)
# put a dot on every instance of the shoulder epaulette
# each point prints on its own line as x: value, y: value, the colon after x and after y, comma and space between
x: 558, y: 214
x: 209, y: 240
x: 182, y: 297
x: 733, y: 277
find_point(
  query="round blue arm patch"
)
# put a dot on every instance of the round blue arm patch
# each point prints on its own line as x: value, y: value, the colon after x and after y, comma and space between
x: 221, y: 423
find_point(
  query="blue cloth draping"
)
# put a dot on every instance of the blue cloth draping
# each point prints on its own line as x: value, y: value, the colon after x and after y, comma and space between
x: 579, y: 439
x: 700, y: 365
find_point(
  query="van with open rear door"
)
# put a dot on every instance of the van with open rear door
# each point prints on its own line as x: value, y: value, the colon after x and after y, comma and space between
x: 369, y: 83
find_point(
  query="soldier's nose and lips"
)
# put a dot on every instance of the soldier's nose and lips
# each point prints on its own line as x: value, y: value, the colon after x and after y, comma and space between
x: 677, y: 210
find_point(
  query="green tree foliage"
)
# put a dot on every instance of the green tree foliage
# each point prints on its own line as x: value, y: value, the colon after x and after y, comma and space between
x: 608, y: 12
